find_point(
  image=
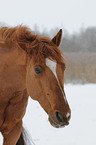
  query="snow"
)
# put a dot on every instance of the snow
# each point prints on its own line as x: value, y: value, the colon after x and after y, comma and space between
x: 82, y: 127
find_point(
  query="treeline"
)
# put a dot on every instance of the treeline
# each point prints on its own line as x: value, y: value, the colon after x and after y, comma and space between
x: 82, y: 41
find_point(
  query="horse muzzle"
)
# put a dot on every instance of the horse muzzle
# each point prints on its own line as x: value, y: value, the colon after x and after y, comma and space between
x: 61, y: 121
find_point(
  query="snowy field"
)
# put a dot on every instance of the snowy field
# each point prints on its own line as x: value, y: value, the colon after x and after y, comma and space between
x: 82, y: 128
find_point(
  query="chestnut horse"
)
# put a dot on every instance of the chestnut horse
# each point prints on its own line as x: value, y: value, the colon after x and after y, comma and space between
x: 30, y: 65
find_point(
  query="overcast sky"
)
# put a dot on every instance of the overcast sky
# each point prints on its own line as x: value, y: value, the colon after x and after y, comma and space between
x: 69, y: 14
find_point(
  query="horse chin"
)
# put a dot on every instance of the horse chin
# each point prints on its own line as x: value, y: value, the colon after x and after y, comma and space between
x: 54, y: 124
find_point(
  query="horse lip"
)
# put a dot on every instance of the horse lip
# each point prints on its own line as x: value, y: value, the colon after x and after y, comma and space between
x: 53, y: 123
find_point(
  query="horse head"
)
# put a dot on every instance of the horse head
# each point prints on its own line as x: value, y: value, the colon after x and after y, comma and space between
x: 45, y: 79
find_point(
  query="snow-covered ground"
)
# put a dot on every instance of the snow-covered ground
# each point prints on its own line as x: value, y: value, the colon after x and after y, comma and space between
x: 82, y: 128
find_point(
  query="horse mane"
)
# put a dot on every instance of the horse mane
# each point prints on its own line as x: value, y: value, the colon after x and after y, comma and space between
x: 23, y: 37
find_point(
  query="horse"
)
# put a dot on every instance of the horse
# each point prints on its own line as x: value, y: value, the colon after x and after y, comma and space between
x: 30, y: 65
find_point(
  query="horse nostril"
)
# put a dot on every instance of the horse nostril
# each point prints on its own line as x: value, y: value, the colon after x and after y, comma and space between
x: 65, y: 119
x: 59, y: 117
x: 66, y: 122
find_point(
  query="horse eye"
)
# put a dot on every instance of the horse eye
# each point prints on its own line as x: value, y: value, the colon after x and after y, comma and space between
x: 38, y: 70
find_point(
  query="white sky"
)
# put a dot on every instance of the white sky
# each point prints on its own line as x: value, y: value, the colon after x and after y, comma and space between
x: 69, y: 14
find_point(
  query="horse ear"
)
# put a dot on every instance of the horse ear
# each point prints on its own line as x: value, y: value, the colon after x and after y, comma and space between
x: 57, y: 39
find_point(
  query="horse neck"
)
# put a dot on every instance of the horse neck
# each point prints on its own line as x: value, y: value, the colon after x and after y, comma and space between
x: 13, y: 62
x: 12, y: 55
